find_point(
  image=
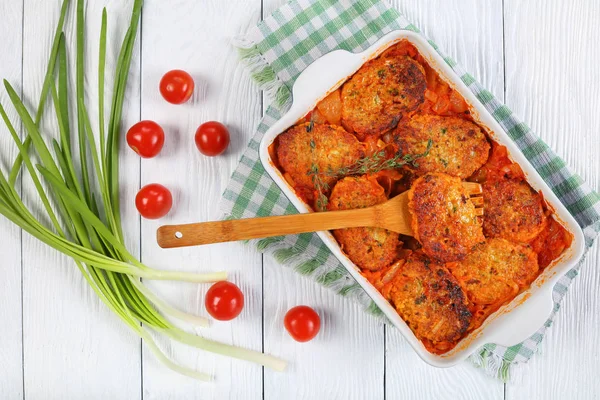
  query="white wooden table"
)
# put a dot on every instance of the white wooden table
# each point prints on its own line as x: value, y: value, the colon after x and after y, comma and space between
x: 58, y: 341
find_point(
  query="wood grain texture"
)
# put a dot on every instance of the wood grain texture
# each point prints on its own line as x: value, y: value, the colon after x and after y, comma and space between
x: 552, y: 57
x: 408, y: 377
x: 345, y: 361
x: 11, y: 367
x: 73, y: 345
x: 195, y: 36
x: 470, y: 32
x: 567, y: 364
x: 392, y: 215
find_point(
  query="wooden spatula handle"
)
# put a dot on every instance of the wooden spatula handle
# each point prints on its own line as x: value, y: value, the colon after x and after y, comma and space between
x: 169, y: 236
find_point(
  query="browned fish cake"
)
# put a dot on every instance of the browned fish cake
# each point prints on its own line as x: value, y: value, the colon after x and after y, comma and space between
x: 430, y: 300
x: 443, y: 217
x: 496, y: 271
x: 375, y: 98
x: 369, y: 248
x: 513, y: 210
x: 459, y: 147
x: 325, y: 147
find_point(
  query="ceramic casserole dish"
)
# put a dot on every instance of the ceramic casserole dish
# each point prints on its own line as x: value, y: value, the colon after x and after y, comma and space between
x: 513, y: 322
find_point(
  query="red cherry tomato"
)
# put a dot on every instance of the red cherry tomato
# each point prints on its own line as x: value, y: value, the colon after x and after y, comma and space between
x: 153, y: 201
x: 302, y: 323
x: 212, y: 138
x: 177, y: 86
x: 224, y: 301
x: 146, y: 138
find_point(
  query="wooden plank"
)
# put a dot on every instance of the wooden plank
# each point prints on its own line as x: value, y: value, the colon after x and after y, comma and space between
x: 345, y: 361
x: 195, y: 36
x: 552, y: 58
x: 566, y: 367
x: 408, y: 377
x: 11, y: 365
x: 74, y: 347
x: 471, y: 33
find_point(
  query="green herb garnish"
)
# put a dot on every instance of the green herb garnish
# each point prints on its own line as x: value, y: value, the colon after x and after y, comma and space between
x: 321, y: 187
x: 378, y: 162
x: 310, y: 125
x: 366, y: 165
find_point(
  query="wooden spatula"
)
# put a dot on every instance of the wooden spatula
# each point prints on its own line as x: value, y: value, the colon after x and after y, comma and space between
x: 392, y: 215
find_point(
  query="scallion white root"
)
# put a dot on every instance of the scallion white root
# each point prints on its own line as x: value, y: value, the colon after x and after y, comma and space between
x: 167, y: 309
x: 226, y: 349
x: 170, y: 364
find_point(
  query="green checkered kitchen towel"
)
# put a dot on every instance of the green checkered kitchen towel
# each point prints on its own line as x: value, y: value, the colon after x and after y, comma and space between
x: 276, y: 52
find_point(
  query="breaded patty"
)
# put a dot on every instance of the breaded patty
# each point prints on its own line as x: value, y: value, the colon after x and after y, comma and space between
x: 443, y: 217
x: 375, y: 98
x: 430, y: 300
x: 300, y: 149
x: 513, y: 210
x: 459, y: 147
x: 496, y: 271
x: 369, y: 248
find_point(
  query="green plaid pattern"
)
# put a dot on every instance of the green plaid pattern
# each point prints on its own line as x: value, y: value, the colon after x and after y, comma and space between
x: 277, y: 51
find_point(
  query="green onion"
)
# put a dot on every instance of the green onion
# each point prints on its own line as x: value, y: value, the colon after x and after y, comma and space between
x: 87, y: 228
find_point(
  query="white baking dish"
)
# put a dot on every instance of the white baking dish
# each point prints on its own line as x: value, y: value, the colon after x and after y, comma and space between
x: 515, y: 321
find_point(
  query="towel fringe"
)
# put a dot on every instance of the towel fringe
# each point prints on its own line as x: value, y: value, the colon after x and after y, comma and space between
x: 492, y: 364
x: 261, y: 72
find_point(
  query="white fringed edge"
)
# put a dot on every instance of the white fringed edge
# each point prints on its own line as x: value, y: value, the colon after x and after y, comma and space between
x: 492, y: 364
x: 261, y: 72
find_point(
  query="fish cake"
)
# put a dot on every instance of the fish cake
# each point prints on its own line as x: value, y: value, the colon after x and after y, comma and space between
x: 513, y: 210
x: 375, y: 98
x: 324, y: 147
x: 459, y: 147
x: 430, y: 300
x: 369, y: 248
x: 496, y: 271
x: 443, y: 217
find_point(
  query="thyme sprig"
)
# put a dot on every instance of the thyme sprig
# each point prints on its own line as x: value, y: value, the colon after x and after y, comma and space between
x: 320, y: 186
x: 377, y: 163
x: 366, y: 165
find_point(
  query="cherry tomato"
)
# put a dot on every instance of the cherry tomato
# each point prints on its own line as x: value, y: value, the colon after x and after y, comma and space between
x: 146, y: 138
x: 153, y: 201
x: 212, y: 138
x: 224, y: 301
x: 302, y: 323
x: 177, y: 86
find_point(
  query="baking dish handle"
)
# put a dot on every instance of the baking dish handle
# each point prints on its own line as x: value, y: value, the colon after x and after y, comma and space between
x: 525, y: 319
x: 320, y: 74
